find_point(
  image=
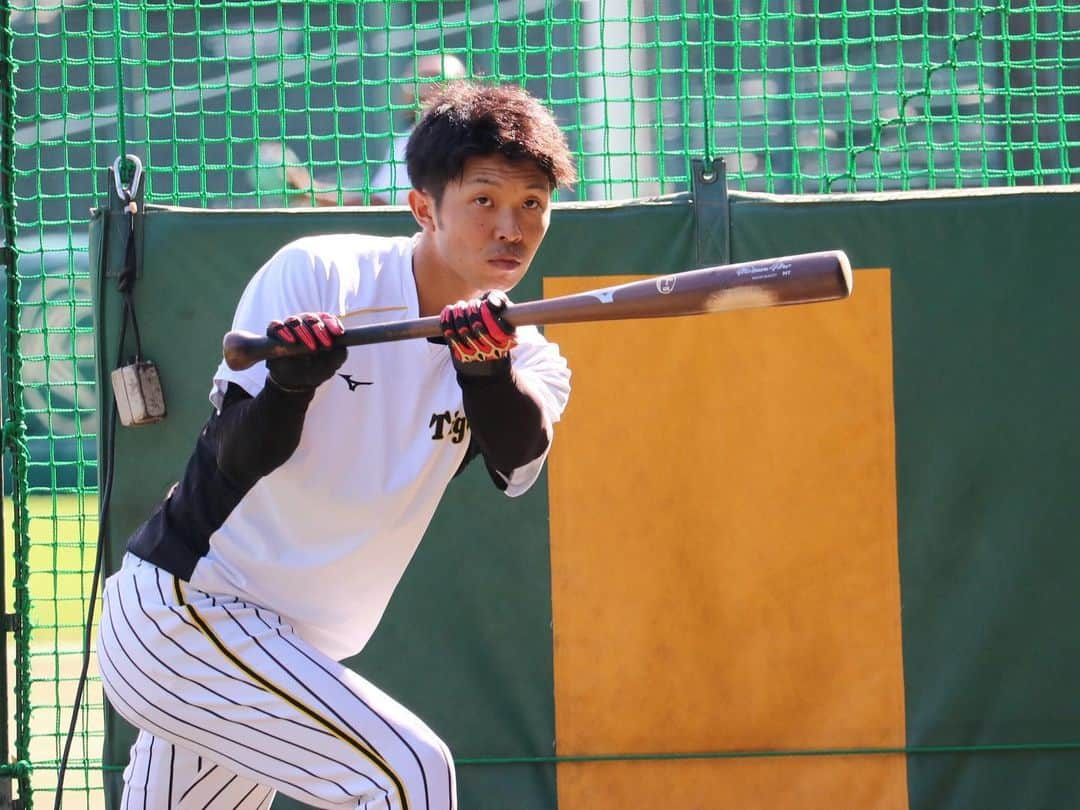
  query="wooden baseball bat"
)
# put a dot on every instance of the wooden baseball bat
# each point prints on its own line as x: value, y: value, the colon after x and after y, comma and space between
x: 799, y: 279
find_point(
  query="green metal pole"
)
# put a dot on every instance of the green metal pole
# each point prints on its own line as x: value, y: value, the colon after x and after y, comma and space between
x: 13, y: 445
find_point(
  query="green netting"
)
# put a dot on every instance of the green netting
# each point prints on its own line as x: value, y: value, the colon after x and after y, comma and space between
x: 223, y: 101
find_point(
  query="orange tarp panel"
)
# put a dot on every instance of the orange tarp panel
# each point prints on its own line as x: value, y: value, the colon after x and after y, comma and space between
x: 724, y: 556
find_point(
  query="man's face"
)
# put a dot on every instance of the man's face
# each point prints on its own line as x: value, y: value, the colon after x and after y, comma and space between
x: 491, y: 222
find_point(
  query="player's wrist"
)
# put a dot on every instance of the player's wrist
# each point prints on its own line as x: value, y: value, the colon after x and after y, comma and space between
x: 483, y: 370
x: 293, y: 390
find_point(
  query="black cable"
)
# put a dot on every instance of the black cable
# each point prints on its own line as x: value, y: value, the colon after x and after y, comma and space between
x: 106, y: 495
x: 126, y: 285
x: 129, y: 308
x: 127, y: 282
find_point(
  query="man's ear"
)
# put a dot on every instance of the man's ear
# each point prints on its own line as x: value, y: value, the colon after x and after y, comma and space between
x: 423, y: 209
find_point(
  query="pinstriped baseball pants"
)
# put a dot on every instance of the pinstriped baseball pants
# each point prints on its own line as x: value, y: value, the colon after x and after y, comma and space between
x: 232, y: 706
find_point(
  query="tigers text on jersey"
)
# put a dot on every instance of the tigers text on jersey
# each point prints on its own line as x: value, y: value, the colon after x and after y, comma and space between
x: 324, y: 539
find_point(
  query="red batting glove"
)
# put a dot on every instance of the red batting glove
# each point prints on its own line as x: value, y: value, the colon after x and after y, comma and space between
x: 311, y: 329
x: 476, y: 331
x: 316, y: 332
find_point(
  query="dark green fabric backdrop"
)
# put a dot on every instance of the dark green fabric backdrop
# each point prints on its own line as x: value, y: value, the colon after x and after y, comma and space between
x: 987, y: 397
x: 986, y: 392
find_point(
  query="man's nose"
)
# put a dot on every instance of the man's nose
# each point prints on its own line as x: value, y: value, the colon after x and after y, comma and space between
x: 507, y: 228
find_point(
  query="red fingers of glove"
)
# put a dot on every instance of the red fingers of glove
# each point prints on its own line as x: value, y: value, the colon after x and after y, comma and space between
x: 474, y: 330
x: 316, y: 333
x: 314, y: 330
x: 499, y: 332
x: 454, y: 322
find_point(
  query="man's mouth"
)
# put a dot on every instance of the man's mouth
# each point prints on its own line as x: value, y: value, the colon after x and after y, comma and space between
x: 505, y: 262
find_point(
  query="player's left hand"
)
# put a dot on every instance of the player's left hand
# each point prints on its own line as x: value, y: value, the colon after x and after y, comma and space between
x: 478, y: 335
x: 316, y: 332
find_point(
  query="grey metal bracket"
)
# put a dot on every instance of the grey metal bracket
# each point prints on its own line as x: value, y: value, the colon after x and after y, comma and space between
x: 120, y: 220
x: 712, y: 229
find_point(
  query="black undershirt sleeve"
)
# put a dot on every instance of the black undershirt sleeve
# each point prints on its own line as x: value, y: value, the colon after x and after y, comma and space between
x: 248, y: 439
x: 505, y: 418
x: 256, y: 435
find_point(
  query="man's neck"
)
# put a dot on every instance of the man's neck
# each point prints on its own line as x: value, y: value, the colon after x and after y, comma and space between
x: 436, y: 284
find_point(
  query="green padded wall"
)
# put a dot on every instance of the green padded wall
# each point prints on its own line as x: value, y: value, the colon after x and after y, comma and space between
x: 986, y: 399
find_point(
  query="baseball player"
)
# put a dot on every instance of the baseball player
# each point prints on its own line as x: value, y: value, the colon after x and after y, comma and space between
x: 316, y: 475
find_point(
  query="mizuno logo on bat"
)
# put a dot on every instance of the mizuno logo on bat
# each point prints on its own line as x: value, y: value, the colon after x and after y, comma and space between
x: 603, y: 296
x: 353, y: 383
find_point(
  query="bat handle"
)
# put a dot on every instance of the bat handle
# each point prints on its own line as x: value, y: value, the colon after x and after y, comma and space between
x: 244, y: 349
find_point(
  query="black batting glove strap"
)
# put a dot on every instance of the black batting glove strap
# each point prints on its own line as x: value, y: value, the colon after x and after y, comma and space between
x: 305, y: 372
x: 316, y: 332
x: 299, y: 393
x: 487, y: 371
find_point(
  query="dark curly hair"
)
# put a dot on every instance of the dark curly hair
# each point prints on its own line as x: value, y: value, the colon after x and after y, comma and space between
x: 472, y: 119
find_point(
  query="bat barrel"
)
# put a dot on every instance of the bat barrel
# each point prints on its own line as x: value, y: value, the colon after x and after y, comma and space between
x: 800, y: 279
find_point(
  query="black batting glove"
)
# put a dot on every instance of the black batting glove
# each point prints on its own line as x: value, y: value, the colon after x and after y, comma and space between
x: 480, y: 339
x: 316, y: 332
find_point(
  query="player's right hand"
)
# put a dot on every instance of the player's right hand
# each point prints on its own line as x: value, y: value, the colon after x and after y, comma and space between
x: 316, y: 332
x: 476, y: 331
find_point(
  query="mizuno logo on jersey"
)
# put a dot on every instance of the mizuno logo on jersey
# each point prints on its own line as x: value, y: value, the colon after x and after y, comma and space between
x: 449, y: 425
x: 353, y: 383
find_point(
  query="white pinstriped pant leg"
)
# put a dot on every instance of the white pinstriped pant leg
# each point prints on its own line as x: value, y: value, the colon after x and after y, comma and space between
x: 161, y: 775
x: 230, y: 683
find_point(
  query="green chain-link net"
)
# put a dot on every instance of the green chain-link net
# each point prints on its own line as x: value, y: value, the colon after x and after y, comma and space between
x: 259, y: 103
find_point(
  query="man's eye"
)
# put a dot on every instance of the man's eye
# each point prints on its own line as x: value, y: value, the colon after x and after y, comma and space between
x: 481, y: 200
x: 533, y: 203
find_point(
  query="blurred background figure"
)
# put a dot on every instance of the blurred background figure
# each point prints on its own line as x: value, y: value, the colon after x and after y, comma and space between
x: 281, y: 180
x: 390, y: 183
x: 278, y: 177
